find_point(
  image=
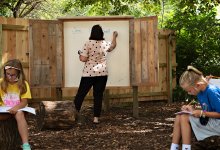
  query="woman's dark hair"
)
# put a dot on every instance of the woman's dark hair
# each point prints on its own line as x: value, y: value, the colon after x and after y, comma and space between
x: 96, y: 33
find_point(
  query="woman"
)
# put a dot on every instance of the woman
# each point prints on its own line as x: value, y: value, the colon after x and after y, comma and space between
x: 95, y: 71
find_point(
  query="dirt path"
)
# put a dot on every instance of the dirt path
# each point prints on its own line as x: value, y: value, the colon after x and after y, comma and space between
x: 118, y: 130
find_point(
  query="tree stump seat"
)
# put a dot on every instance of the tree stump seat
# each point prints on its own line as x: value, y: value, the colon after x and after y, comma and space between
x: 9, y: 135
x: 210, y: 143
x: 55, y: 115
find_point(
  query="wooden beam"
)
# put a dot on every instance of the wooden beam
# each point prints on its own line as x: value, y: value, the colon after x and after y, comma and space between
x: 1, y: 46
x: 14, y: 27
x: 95, y: 18
x: 113, y: 96
x: 170, y: 76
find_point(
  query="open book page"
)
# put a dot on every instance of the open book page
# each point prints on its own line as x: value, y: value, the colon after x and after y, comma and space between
x: 4, y: 109
x: 183, y: 112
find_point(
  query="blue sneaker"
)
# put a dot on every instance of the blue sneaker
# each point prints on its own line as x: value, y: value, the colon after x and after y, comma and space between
x: 26, y: 146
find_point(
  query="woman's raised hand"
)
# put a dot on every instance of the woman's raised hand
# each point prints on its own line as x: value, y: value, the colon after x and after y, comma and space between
x: 115, y: 33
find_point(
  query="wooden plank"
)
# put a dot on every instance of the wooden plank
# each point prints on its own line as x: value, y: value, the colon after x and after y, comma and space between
x: 171, y: 51
x: 44, y: 52
x: 14, y: 27
x: 55, y: 50
x: 153, y: 62
x: 170, y: 77
x: 136, y: 56
x: 52, y: 51
x: 96, y: 18
x: 21, y: 49
x: 144, y: 57
x: 41, y: 92
x: 59, y: 55
x: 35, y: 40
x: 156, y: 52
x: 1, y: 46
x: 11, y: 44
x: 150, y: 52
x: 131, y: 51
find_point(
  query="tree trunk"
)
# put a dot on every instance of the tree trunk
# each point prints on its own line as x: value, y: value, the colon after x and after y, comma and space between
x: 55, y: 115
x: 9, y: 136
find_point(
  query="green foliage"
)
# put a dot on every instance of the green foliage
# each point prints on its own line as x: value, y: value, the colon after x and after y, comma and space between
x: 180, y: 95
x: 137, y: 8
x: 51, y: 9
x: 18, y: 8
x: 198, y: 39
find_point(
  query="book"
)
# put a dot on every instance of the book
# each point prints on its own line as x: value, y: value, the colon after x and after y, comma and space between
x: 183, y: 112
x: 4, y: 109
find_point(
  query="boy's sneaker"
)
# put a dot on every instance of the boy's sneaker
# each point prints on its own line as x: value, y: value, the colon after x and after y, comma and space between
x: 26, y: 146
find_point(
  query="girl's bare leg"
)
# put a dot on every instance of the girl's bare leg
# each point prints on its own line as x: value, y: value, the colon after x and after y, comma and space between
x: 22, y: 126
x: 185, y: 129
x: 176, y: 130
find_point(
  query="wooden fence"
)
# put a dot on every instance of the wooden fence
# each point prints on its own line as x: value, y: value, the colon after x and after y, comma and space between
x: 39, y: 45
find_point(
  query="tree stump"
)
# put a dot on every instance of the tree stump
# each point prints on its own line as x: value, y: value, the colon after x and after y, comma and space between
x: 55, y: 115
x: 210, y: 143
x: 9, y: 136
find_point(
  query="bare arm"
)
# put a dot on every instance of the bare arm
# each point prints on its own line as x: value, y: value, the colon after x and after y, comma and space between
x: 212, y: 114
x: 22, y: 104
x: 114, y: 43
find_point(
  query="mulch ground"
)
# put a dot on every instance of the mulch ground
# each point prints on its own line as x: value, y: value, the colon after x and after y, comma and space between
x: 117, y: 130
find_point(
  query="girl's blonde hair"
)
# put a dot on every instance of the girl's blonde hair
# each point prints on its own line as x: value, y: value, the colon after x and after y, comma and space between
x: 16, y: 64
x: 191, y: 76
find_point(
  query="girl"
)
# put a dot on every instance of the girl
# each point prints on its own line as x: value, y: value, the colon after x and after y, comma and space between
x: 95, y: 71
x: 15, y: 92
x: 205, y: 122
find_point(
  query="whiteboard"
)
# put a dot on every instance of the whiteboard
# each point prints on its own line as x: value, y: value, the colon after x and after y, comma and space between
x: 76, y: 33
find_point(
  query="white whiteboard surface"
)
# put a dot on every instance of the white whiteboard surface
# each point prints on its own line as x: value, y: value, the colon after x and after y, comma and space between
x: 78, y: 32
x: 215, y: 82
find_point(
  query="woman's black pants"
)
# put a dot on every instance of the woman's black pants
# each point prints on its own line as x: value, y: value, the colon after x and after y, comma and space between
x: 98, y: 83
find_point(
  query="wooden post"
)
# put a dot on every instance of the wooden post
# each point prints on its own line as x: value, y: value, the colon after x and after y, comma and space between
x: 10, y: 137
x: 58, y: 94
x: 169, y: 69
x: 106, y: 100
x: 135, y: 102
x: 1, y: 46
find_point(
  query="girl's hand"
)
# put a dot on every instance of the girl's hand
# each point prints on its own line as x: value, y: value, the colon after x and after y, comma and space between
x: 13, y: 110
x: 187, y: 108
x: 196, y: 113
